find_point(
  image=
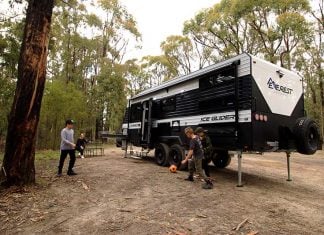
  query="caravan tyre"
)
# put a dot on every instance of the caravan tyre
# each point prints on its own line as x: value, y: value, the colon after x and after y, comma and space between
x: 176, y: 155
x: 161, y: 154
x: 307, y: 135
x: 221, y: 159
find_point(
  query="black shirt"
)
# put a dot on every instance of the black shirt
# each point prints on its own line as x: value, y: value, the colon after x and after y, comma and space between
x: 81, y: 142
x: 195, y: 145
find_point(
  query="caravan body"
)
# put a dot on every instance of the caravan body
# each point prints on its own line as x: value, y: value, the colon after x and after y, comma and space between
x: 245, y: 103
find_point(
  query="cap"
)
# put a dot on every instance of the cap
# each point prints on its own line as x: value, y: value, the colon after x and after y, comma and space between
x: 199, y: 130
x: 69, y: 121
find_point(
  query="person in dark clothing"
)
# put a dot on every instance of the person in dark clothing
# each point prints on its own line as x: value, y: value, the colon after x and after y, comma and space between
x: 80, y: 144
x: 207, y: 148
x: 194, y: 158
x: 67, y: 147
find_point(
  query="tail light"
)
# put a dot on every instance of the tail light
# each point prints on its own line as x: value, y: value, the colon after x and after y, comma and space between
x: 257, y: 117
x: 260, y: 117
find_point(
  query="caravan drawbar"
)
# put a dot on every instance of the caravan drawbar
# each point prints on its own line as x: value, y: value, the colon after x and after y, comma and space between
x: 245, y: 103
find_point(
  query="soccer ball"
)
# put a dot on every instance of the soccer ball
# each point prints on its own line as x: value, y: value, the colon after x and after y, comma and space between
x: 173, y: 168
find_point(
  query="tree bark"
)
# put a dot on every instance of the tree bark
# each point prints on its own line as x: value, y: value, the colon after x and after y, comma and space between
x: 18, y: 163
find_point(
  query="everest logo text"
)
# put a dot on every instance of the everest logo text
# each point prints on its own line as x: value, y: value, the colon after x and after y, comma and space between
x: 273, y: 85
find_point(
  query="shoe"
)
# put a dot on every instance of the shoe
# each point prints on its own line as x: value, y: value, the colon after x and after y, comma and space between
x: 82, y: 156
x: 208, y: 185
x: 190, y: 178
x: 70, y: 173
x: 59, y: 174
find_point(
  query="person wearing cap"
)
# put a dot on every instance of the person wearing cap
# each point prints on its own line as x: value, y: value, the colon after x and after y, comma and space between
x: 194, y: 158
x: 67, y: 147
x: 207, y: 148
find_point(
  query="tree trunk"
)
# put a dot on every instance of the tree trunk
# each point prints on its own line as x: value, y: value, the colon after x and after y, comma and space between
x: 18, y: 163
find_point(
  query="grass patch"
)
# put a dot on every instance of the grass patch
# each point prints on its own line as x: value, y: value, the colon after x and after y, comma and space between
x: 47, y: 155
x: 41, y: 155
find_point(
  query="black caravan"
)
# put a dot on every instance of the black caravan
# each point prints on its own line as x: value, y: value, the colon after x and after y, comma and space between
x: 245, y: 103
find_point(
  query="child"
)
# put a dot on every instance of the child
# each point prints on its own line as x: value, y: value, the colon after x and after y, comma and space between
x: 207, y: 148
x: 80, y: 145
x: 194, y: 158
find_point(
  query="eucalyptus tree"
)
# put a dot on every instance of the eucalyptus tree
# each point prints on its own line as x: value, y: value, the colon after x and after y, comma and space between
x: 185, y: 55
x: 221, y: 30
x: 18, y: 163
x: 272, y: 29
x: 179, y: 52
x: 158, y: 69
x: 136, y: 77
x: 309, y: 59
x: 88, y: 45
x: 113, y: 34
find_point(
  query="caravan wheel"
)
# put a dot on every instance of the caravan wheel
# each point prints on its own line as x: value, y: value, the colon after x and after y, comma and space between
x: 161, y: 154
x: 176, y: 155
x: 221, y: 159
x: 307, y: 135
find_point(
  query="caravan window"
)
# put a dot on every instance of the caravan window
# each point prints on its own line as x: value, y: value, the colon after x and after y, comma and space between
x: 219, y: 77
x: 168, y: 104
x: 217, y: 103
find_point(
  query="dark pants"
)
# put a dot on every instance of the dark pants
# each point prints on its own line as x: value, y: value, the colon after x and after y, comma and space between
x: 64, y: 154
x: 196, y: 164
x: 205, y: 167
x: 80, y: 150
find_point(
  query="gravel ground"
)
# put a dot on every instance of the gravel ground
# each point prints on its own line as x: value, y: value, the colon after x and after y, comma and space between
x: 116, y: 195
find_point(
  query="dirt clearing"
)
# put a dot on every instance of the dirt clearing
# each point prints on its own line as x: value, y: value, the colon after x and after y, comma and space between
x: 116, y: 195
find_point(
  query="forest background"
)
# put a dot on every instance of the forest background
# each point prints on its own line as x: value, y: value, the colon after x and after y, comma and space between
x: 90, y: 75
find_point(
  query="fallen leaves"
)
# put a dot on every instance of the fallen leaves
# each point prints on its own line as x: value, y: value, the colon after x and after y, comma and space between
x: 86, y: 187
x: 177, y: 233
x: 253, y: 233
x: 3, y: 213
x: 36, y: 219
x: 125, y: 210
x: 201, y: 216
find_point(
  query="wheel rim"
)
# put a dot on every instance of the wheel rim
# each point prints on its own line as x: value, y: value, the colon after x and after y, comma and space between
x: 313, y: 138
x: 221, y: 160
x: 174, y: 158
x: 159, y: 156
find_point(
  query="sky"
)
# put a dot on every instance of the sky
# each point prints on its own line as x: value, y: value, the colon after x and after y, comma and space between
x: 158, y: 19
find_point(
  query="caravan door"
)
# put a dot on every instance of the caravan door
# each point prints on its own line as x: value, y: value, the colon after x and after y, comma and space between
x: 146, y: 123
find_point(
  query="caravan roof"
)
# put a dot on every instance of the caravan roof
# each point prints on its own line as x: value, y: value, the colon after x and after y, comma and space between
x: 190, y: 76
